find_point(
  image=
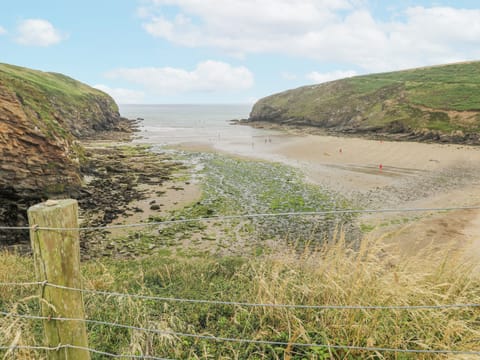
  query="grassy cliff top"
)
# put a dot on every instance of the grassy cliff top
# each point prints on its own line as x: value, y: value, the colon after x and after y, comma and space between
x: 447, y: 87
x: 51, y: 83
x: 57, y: 103
x: 444, y: 98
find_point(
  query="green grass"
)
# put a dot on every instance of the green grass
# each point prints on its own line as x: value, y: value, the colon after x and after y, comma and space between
x: 448, y: 87
x: 366, y: 228
x: 337, y: 272
x: 411, y: 97
x: 332, y: 274
x: 56, y: 103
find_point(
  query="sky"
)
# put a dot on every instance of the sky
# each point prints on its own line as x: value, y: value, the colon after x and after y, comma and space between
x: 231, y: 51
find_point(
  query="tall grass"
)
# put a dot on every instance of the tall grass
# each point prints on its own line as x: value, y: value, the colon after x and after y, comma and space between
x: 334, y: 274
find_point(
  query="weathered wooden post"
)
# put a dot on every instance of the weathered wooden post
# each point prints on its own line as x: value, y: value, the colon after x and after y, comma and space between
x: 57, y: 261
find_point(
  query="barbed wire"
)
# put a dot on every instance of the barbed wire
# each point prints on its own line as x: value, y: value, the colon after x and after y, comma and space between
x: 68, y: 346
x: 241, y: 216
x: 247, y: 304
x: 247, y: 341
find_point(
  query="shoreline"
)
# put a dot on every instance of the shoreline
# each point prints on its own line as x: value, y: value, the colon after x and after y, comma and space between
x: 413, y: 175
x: 419, y: 135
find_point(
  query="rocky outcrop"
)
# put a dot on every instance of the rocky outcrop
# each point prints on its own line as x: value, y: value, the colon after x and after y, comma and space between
x: 39, y: 125
x: 440, y: 103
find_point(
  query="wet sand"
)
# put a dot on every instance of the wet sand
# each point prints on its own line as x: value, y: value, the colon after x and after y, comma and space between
x: 384, y: 174
x: 352, y: 162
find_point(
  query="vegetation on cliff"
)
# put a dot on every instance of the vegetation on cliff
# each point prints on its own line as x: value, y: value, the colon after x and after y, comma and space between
x: 41, y: 115
x: 58, y: 104
x: 438, y: 103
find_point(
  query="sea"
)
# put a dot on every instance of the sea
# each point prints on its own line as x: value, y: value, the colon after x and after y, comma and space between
x: 176, y: 124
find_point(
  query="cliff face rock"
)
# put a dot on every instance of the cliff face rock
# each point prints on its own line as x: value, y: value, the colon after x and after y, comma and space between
x: 440, y: 103
x: 41, y: 115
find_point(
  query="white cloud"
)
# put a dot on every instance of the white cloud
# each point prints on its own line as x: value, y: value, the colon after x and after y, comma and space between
x: 38, y: 32
x: 240, y: 25
x: 439, y: 34
x: 331, y: 31
x: 208, y: 76
x: 2, y: 30
x: 121, y: 95
x: 317, y: 77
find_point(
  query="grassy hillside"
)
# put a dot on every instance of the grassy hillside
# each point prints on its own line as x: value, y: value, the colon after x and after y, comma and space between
x: 443, y: 99
x: 58, y: 103
x: 332, y: 275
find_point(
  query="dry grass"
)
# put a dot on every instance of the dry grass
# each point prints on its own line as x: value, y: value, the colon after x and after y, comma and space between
x: 333, y: 274
x: 14, y: 331
x: 373, y: 276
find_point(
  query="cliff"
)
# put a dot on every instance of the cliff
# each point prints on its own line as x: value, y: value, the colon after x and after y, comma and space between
x: 440, y: 103
x: 41, y: 116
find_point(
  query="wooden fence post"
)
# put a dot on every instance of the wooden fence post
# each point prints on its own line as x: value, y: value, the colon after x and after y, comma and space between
x: 57, y: 261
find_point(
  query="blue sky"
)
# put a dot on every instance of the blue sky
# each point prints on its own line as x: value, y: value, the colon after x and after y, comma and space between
x: 231, y: 51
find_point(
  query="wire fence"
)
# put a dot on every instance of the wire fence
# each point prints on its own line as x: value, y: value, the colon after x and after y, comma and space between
x: 209, y: 337
x: 240, y: 340
x: 243, y: 216
x: 13, y: 348
x: 226, y: 339
x: 247, y: 304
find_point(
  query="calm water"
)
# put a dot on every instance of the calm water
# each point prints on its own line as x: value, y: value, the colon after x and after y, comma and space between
x: 173, y: 124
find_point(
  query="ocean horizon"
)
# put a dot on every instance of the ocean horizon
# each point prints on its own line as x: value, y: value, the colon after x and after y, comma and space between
x: 164, y: 124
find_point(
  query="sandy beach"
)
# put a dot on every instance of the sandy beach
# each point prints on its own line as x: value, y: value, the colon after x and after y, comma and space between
x: 384, y: 174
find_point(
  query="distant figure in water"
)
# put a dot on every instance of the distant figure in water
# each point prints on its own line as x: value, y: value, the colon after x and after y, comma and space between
x: 269, y: 139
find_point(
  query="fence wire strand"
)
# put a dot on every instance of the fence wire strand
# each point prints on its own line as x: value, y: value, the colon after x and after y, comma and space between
x: 244, y: 216
x: 22, y: 283
x: 68, y: 346
x: 217, y: 302
x: 247, y: 304
x: 247, y: 341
